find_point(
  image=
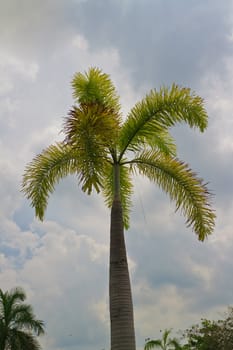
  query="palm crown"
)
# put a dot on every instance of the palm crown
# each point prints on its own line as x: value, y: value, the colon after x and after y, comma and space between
x: 104, y: 151
x: 166, y: 343
x: 18, y: 324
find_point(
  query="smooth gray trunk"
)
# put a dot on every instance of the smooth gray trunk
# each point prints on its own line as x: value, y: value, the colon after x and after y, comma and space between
x: 120, y: 297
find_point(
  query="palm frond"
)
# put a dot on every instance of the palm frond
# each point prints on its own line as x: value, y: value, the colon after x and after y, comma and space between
x: 9, y: 301
x: 92, y: 133
x: 175, y: 344
x: 125, y: 190
x: 92, y: 130
x: 96, y: 87
x: 18, y: 324
x: 166, y: 334
x: 21, y: 340
x: 161, y: 141
x: 46, y: 169
x: 183, y: 186
x: 23, y: 317
x: 14, y: 295
x: 160, y: 110
x: 93, y: 120
x: 165, y: 343
x: 151, y: 344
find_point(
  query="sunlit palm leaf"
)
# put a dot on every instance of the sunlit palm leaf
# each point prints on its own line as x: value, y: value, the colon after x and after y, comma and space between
x: 93, y: 120
x: 91, y: 130
x: 160, y: 110
x: 183, y: 186
x: 161, y: 141
x: 96, y: 87
x: 45, y: 171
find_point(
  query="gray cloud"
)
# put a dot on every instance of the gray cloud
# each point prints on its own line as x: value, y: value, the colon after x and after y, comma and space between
x: 165, y: 41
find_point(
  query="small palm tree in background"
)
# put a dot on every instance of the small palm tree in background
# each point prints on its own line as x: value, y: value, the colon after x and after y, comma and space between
x: 166, y: 343
x: 104, y: 152
x: 18, y: 324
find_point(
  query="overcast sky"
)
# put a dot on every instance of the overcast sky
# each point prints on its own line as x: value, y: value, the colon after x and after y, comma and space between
x: 62, y: 263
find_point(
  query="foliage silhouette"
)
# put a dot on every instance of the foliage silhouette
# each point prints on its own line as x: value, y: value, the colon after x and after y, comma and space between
x: 18, y: 324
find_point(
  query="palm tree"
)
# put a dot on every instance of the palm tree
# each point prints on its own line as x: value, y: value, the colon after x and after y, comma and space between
x: 165, y: 343
x: 104, y: 151
x: 18, y: 325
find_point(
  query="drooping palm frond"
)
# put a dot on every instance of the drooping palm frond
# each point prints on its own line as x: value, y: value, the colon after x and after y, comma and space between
x: 183, y: 186
x: 23, y: 318
x: 160, y: 110
x: 45, y: 171
x: 93, y: 121
x: 165, y: 343
x: 96, y: 87
x: 14, y: 296
x: 176, y: 344
x: 153, y: 344
x: 125, y: 190
x: 161, y: 141
x: 91, y: 132
x: 10, y: 300
x: 19, y: 340
x: 18, y: 324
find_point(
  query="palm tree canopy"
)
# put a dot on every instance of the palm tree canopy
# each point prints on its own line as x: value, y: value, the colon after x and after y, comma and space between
x: 18, y: 324
x: 97, y: 140
x: 166, y: 343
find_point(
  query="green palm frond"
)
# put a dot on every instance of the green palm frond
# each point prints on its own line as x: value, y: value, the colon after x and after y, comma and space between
x: 125, y: 190
x: 20, y: 340
x: 166, y: 334
x: 23, y: 317
x: 183, y: 186
x: 91, y: 121
x: 151, y: 344
x: 91, y: 132
x: 160, y: 110
x: 46, y: 170
x: 15, y: 295
x: 96, y: 140
x: 18, y: 324
x: 95, y: 87
x: 165, y: 343
x: 175, y: 344
x: 10, y: 300
x: 163, y: 142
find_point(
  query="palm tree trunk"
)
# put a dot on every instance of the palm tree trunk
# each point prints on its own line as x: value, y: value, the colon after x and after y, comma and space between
x: 2, y: 340
x: 121, y: 306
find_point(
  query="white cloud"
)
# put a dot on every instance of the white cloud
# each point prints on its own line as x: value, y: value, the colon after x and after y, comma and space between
x: 218, y: 89
x: 13, y: 68
x: 59, y: 269
x: 80, y: 42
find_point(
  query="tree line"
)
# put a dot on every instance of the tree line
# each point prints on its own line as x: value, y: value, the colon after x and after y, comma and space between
x: 19, y: 329
x: 205, y: 335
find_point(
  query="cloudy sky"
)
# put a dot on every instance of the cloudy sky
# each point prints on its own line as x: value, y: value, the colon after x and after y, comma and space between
x: 62, y: 263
